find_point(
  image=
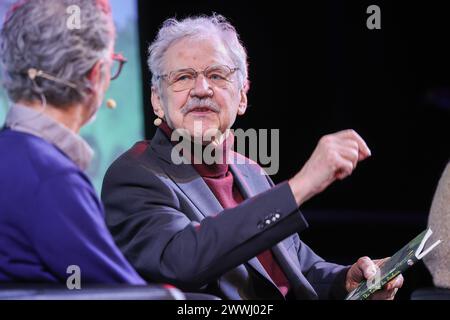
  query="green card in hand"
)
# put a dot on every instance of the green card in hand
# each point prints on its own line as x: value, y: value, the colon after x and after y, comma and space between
x: 398, y: 263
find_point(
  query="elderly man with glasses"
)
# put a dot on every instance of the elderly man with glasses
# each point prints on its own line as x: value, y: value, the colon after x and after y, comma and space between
x: 51, y: 220
x: 222, y: 228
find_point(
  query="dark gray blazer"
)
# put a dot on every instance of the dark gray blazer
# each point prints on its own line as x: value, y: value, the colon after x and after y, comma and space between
x: 172, y: 229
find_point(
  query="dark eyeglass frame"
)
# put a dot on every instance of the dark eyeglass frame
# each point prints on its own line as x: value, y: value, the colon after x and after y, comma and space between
x: 122, y: 60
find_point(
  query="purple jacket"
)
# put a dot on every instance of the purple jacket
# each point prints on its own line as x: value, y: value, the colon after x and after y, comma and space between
x: 51, y: 218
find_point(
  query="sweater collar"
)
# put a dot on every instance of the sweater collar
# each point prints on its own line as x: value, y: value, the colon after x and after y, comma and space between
x: 214, y: 170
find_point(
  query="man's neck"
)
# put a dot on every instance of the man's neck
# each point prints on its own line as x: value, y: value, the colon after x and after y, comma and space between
x: 225, y: 147
x: 71, y: 116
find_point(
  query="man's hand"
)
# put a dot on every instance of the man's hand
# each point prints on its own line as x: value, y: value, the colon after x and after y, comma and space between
x: 335, y: 157
x: 365, y: 269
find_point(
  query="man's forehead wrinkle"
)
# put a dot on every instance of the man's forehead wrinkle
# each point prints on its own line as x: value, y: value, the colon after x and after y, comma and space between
x: 181, y: 54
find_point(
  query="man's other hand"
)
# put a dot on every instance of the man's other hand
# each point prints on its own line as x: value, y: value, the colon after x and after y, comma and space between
x: 365, y: 269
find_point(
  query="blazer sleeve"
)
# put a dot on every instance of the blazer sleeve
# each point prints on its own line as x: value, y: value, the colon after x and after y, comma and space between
x: 145, y: 217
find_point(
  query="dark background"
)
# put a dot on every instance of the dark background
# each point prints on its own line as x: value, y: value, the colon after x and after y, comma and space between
x: 315, y: 69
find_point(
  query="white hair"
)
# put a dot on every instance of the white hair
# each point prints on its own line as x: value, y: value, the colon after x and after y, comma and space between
x: 173, y: 30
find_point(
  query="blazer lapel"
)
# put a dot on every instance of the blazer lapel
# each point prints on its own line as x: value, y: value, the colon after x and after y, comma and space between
x: 186, y: 178
x: 241, y: 178
x: 302, y: 287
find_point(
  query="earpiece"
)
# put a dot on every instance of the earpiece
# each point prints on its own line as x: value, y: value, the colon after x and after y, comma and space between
x: 157, y: 122
x: 111, y: 103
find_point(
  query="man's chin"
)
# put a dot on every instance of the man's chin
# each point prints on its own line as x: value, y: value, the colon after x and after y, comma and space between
x: 204, y: 131
x: 206, y: 136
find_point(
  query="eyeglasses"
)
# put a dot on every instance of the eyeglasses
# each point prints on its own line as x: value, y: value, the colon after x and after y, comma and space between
x: 118, y: 61
x: 184, y: 79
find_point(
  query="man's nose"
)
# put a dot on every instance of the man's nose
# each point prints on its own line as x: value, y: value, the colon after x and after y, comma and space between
x: 201, y: 88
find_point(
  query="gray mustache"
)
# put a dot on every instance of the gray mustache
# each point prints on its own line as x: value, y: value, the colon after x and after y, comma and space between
x: 200, y: 103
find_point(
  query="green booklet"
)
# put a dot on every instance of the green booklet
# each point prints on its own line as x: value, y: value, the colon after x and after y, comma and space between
x: 398, y: 263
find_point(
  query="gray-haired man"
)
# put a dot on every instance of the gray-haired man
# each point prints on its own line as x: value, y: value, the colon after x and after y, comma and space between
x: 221, y: 228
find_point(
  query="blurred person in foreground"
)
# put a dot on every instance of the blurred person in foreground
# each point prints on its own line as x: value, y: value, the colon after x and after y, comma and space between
x: 56, y: 77
x: 438, y: 260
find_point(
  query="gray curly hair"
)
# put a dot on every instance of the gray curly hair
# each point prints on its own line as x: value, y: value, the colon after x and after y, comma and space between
x: 35, y: 35
x: 173, y: 30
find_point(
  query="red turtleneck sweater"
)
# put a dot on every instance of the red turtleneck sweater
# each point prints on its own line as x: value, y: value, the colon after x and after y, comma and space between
x: 220, y: 180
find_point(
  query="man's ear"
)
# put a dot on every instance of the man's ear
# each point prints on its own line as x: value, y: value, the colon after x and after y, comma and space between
x: 243, y: 101
x: 95, y: 74
x: 157, y: 103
